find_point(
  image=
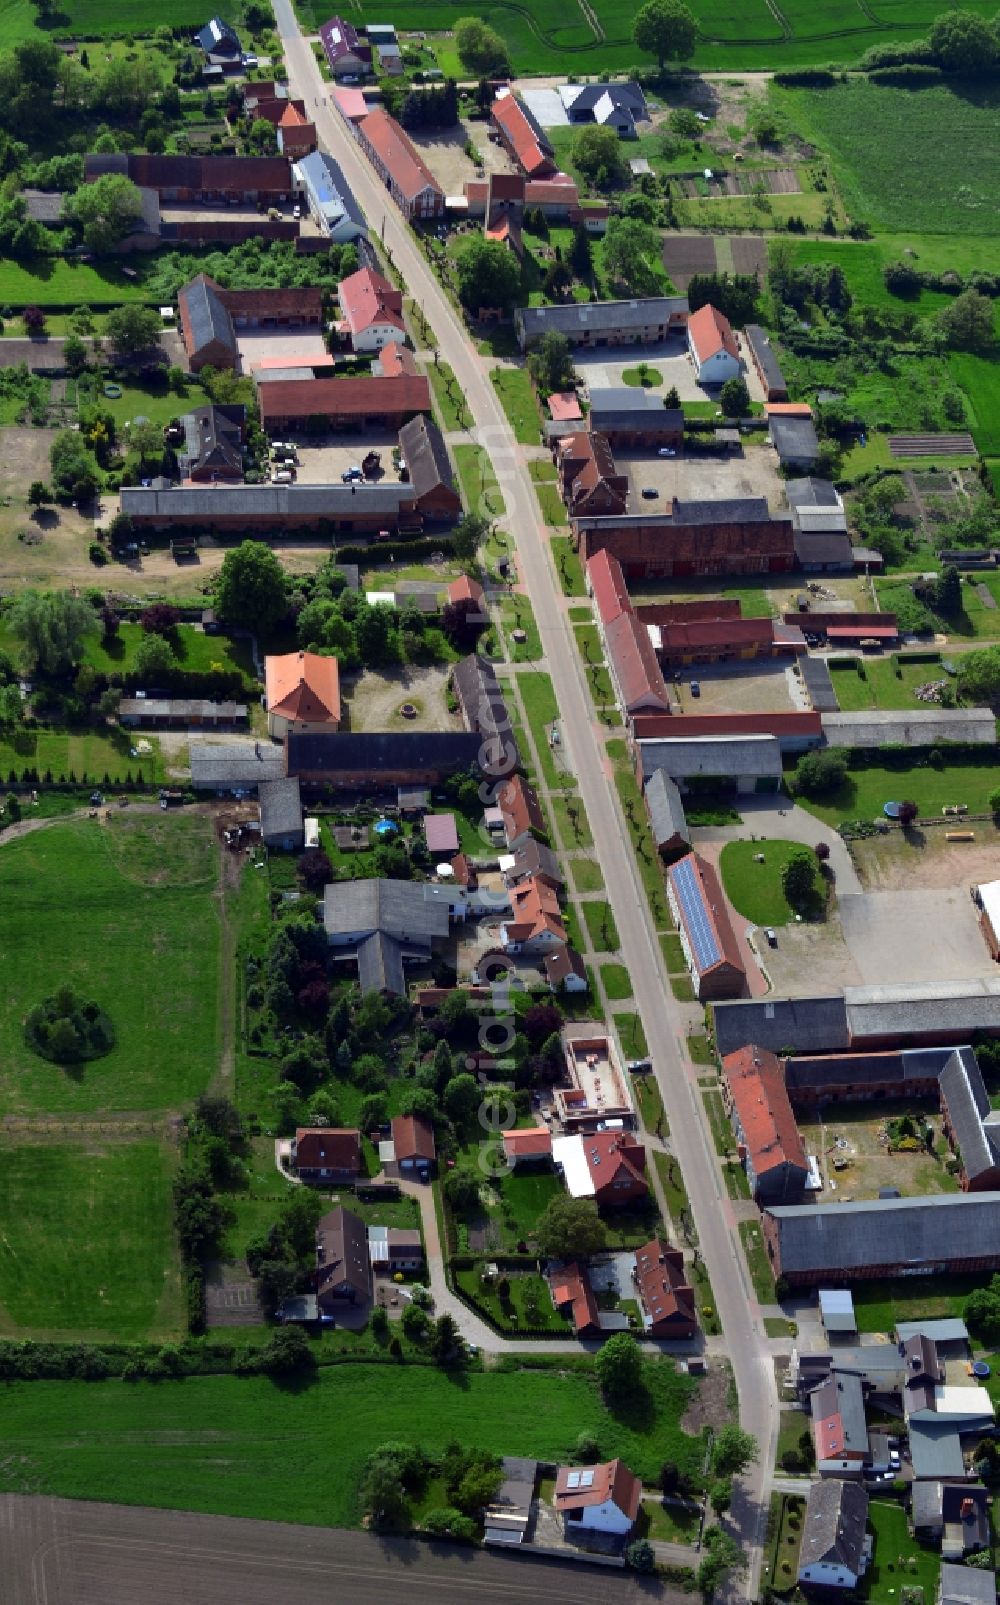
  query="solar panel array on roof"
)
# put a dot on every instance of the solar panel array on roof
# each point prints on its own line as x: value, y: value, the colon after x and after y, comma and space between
x: 700, y: 928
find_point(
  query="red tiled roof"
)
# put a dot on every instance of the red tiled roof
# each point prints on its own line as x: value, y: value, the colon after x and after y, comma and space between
x: 534, y: 909
x: 303, y: 686
x: 328, y: 1148
x: 613, y: 1157
x: 520, y: 807
x: 564, y: 406
x: 308, y: 398
x: 530, y: 1141
x: 685, y: 726
x: 588, y: 473
x: 413, y: 1138
x: 509, y: 114
x: 366, y: 298
x: 571, y: 1286
x: 852, y: 632
x: 633, y: 662
x: 607, y: 586
x: 611, y: 1481
x: 757, y: 1084
x: 714, y: 910
x: 352, y: 104
x: 465, y: 589
x: 441, y: 833
x: 666, y: 1295
x: 395, y: 359
x: 398, y: 154
x: 709, y: 331
x: 788, y: 409
x: 704, y: 634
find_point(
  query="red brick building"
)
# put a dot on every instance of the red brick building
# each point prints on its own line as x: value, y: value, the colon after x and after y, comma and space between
x: 694, y: 538
x: 666, y: 1298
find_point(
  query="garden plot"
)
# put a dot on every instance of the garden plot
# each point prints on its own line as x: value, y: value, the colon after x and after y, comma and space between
x: 775, y: 181
x: 858, y: 1150
x: 684, y: 255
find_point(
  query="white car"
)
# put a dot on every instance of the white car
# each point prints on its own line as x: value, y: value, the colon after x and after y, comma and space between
x: 296, y: 210
x: 666, y: 451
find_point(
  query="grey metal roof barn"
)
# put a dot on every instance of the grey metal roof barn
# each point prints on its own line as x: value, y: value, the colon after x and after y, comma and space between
x: 936, y: 1451
x: 280, y: 809
x: 598, y: 317
x: 794, y: 439
x: 630, y: 407
x: 382, y: 922
x: 666, y: 810
x: 330, y: 197
x: 917, y: 727
x: 816, y: 675
x: 234, y: 765
x: 835, y: 1523
x: 924, y: 1008
x: 208, y: 318
x: 763, y: 354
x: 905, y: 1232
x: 724, y: 757
x: 382, y: 753
x: 809, y: 1024
x: 267, y: 501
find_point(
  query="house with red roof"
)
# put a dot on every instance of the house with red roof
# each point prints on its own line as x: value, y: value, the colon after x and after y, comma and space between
x: 400, y: 166
x: 413, y: 1144
x: 535, y: 924
x: 573, y: 1295
x: 302, y: 692
x: 607, y: 1166
x: 606, y: 584
x: 707, y: 937
x: 521, y: 810
x: 365, y: 402
x: 523, y: 137
x: 465, y: 589
x: 763, y: 1121
x: 713, y: 346
x: 664, y: 1293
x: 528, y: 1145
x: 372, y: 309
x: 395, y: 359
x: 589, y: 481
x: 636, y: 675
x: 326, y: 1154
x: 600, y: 1499
x: 296, y: 133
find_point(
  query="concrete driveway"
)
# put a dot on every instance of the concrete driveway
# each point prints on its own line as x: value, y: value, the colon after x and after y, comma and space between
x: 606, y: 365
x: 782, y: 820
x: 264, y: 343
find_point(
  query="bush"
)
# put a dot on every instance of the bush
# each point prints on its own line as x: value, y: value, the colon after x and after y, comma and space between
x: 68, y: 1029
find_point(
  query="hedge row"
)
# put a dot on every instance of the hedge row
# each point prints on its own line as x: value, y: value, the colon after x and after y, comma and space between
x: 382, y: 551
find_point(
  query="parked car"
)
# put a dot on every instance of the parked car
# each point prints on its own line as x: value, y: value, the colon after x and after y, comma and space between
x: 666, y: 451
x: 650, y: 493
x: 283, y: 448
x: 352, y: 473
x: 639, y: 1065
x: 772, y: 940
x: 695, y: 688
x: 296, y: 210
x: 281, y: 476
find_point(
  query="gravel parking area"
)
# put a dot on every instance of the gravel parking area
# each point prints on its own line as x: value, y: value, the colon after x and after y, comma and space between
x: 605, y: 367
x: 372, y: 700
x: 322, y: 462
x: 915, y: 936
x: 739, y: 688
x: 267, y: 344
x: 753, y: 471
x: 444, y: 153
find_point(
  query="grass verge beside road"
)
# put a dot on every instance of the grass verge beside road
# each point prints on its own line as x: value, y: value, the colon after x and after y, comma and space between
x: 631, y: 1036
x: 449, y: 397
x: 758, y: 1264
x: 568, y: 566
x: 517, y: 398
x: 478, y: 481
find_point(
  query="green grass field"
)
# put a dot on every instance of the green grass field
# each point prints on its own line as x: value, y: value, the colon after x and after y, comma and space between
x: 979, y: 379
x: 755, y: 889
x: 478, y: 481
x: 899, y: 1561
x: 52, y: 281
x: 87, y: 1241
x: 880, y: 687
x: 601, y: 926
x: 124, y: 913
x: 93, y: 753
x: 193, y: 651
x: 244, y: 1447
x: 513, y: 387
x: 865, y: 790
x: 918, y: 174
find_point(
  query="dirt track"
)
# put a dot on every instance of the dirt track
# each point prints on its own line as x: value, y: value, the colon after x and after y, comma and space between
x: 58, y: 1552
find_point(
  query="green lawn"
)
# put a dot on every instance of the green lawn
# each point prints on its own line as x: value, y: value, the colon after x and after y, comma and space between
x: 637, y: 821
x: 123, y: 912
x: 525, y: 1195
x: 979, y: 378
x: 89, y: 754
x: 865, y: 790
x: 899, y: 1561
x: 879, y: 686
x: 700, y: 1049
x: 722, y: 1131
x: 448, y: 397
x: 513, y: 387
x: 758, y: 1263
x: 683, y: 988
x: 673, y: 954
x: 586, y: 875
x: 528, y: 1304
x: 157, y: 404
x: 601, y: 926
x: 87, y: 1241
x: 754, y: 889
x: 644, y: 377
x: 517, y: 613
x: 53, y: 281
x: 879, y: 1305
x: 542, y: 712
x: 568, y: 566
x: 572, y: 822
x: 194, y: 651
x: 631, y: 1036
x: 478, y: 481
x: 617, y: 982
x: 649, y: 1102
x: 245, y: 1447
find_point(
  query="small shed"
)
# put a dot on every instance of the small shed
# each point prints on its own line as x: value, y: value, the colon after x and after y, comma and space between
x: 836, y: 1308
x: 441, y: 833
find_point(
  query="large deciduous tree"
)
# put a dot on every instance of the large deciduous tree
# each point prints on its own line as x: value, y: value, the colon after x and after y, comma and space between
x: 489, y: 275
x: 52, y: 627
x: 666, y: 29
x: 105, y: 211
x: 251, y: 592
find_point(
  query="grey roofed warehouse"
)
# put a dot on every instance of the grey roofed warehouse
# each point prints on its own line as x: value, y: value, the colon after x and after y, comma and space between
x: 234, y: 765
x: 873, y: 1236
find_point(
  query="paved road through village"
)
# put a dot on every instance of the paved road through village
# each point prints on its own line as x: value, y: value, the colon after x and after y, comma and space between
x: 738, y: 1310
